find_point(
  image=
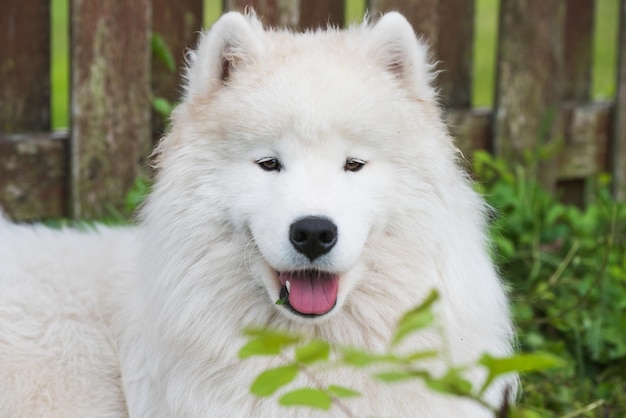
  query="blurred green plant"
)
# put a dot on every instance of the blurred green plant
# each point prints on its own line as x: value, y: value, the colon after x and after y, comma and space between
x: 567, y: 270
x: 163, y: 54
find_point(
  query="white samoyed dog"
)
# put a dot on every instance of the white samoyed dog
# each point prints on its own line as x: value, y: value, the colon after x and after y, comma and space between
x: 313, y: 167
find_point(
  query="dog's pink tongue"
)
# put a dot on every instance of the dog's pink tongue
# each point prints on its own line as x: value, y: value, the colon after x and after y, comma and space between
x: 311, y: 292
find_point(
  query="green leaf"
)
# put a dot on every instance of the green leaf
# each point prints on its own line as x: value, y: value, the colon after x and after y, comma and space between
x: 398, y: 375
x: 265, y: 342
x: 524, y: 413
x: 317, y: 350
x: 506, y: 247
x: 359, y: 358
x: 271, y: 380
x: 162, y: 52
x: 518, y: 363
x: 416, y: 319
x: 162, y: 106
x: 342, y: 392
x: 314, y: 398
x: 452, y: 382
x: 137, y: 194
x: 420, y: 355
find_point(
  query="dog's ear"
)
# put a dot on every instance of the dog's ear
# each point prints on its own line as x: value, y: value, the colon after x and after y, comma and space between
x: 394, y: 44
x: 233, y: 42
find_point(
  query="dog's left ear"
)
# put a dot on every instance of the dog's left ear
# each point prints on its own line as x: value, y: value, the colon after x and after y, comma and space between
x: 233, y: 42
x: 394, y: 44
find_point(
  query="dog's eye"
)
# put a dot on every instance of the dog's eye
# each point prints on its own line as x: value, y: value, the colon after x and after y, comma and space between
x: 269, y: 164
x: 353, y: 164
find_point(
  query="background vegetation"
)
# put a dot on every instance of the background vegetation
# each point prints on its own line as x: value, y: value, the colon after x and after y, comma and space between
x: 567, y: 273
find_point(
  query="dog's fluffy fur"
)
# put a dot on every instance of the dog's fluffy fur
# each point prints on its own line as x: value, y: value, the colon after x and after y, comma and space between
x: 274, y: 128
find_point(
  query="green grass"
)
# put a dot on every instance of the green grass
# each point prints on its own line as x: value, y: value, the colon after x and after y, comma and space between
x: 485, y: 44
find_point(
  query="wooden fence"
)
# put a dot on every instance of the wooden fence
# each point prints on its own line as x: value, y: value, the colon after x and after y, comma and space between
x: 544, y: 62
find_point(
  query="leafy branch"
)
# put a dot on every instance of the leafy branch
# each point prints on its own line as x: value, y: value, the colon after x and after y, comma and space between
x: 308, y: 356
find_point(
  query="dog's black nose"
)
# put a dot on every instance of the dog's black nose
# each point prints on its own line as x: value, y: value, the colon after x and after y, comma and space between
x: 313, y: 236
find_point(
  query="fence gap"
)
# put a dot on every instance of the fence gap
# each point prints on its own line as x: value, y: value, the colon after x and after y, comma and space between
x: 213, y: 9
x: 59, y: 64
x: 354, y: 12
x: 486, y: 13
x: 605, y: 49
x: 618, y: 148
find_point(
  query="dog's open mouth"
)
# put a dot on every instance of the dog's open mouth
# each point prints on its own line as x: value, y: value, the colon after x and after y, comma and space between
x: 309, y: 292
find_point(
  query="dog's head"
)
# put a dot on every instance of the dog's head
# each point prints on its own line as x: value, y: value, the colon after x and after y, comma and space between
x: 308, y: 138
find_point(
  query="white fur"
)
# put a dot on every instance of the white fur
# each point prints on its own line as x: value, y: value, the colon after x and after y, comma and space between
x: 170, y: 298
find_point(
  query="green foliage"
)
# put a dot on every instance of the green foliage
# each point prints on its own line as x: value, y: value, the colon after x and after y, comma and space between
x: 136, y: 195
x: 163, y: 106
x: 518, y: 363
x: 302, y: 356
x: 416, y: 319
x: 567, y: 270
x: 164, y: 55
x: 316, y: 350
x: 271, y: 380
x: 134, y: 198
x: 266, y: 342
x: 314, y: 398
x: 162, y: 52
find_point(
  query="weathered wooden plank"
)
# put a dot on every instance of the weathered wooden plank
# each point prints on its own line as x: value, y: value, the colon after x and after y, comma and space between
x: 529, y: 72
x: 301, y: 14
x: 33, y: 174
x: 321, y: 13
x: 35, y: 187
x: 618, y: 146
x: 471, y: 129
x: 579, y: 156
x: 24, y: 66
x: 586, y: 137
x: 178, y: 24
x: 577, y: 49
x: 110, y: 101
x: 423, y: 15
x: 283, y: 13
x: 587, y: 128
x: 455, y: 52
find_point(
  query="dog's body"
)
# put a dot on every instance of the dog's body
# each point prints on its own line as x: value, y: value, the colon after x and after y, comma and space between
x: 313, y: 167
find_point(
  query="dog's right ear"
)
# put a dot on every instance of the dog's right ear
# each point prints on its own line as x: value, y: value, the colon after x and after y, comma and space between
x: 233, y: 42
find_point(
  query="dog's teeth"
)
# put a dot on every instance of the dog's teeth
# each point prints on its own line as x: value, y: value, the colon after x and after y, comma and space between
x: 288, y: 285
